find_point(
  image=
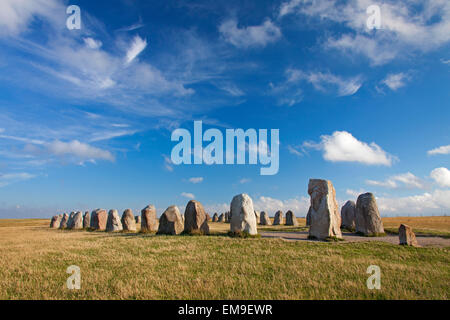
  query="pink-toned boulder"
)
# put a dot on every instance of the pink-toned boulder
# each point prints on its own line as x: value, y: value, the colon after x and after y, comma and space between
x: 195, y: 220
x: 149, y: 222
x: 99, y: 219
x: 407, y: 236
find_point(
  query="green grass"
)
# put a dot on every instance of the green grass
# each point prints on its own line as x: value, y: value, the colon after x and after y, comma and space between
x: 422, y: 232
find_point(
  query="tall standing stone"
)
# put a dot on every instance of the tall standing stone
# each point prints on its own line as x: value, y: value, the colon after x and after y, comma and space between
x: 170, y: 222
x: 99, y: 218
x: 215, y: 217
x: 291, y: 219
x: 77, y: 221
x: 128, y: 221
x: 221, y: 218
x: 264, y: 219
x: 348, y: 215
x: 407, y: 236
x: 149, y: 223
x: 325, y: 218
x: 195, y: 219
x: 87, y: 220
x: 113, y: 224
x: 64, y: 219
x: 208, y: 217
x: 70, y: 220
x: 242, y: 215
x: 56, y: 221
x: 368, y: 221
x: 279, y: 218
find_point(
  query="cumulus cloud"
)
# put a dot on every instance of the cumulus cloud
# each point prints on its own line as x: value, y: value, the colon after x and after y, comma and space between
x: 270, y: 205
x: 9, y: 178
x: 440, y: 150
x: 78, y: 149
x: 441, y: 176
x: 395, y: 80
x: 196, y: 179
x: 407, y: 180
x: 252, y: 36
x: 342, y: 146
x: 92, y: 43
x: 187, y: 195
x: 137, y: 46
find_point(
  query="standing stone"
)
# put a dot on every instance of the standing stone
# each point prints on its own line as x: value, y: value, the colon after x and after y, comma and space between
x: 325, y: 218
x: 208, y: 217
x: 149, y: 223
x: 221, y: 218
x: 99, y: 218
x: 77, y: 221
x: 170, y: 222
x: 70, y: 220
x: 195, y: 219
x: 113, y: 224
x: 215, y: 217
x: 86, y: 220
x: 55, y: 222
x: 242, y: 215
x: 279, y: 219
x: 128, y: 221
x: 226, y: 217
x: 348, y: 215
x: 291, y: 219
x: 368, y: 221
x: 138, y: 220
x: 64, y: 219
x: 265, y: 219
x: 407, y: 236
x: 308, y: 217
x: 257, y: 215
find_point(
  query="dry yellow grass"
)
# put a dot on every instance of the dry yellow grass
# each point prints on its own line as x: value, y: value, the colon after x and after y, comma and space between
x: 34, y: 259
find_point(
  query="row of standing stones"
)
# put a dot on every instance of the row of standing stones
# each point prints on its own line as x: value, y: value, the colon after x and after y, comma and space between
x: 323, y: 217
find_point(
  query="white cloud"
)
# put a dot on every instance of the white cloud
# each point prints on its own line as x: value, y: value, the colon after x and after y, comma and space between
x: 2, y: 130
x: 441, y: 176
x: 445, y: 61
x: 196, y: 179
x: 92, y: 43
x: 78, y: 149
x: 244, y: 180
x: 407, y: 180
x: 270, y: 205
x: 395, y: 80
x: 440, y: 150
x: 168, y: 164
x: 252, y: 36
x: 232, y: 90
x: 342, y: 146
x: 137, y: 46
x: 187, y: 195
x: 293, y: 150
x: 9, y: 178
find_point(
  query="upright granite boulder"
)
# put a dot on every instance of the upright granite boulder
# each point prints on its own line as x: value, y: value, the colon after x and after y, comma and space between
x: 56, y: 221
x: 221, y: 218
x: 149, y: 222
x: 407, y: 236
x: 348, y: 215
x: 215, y: 217
x: 264, y: 219
x: 291, y: 219
x: 279, y: 218
x: 227, y: 217
x: 113, y: 224
x: 208, y: 217
x: 195, y: 220
x: 64, y: 219
x: 324, y: 215
x: 368, y: 221
x: 77, y: 221
x: 70, y: 220
x: 99, y: 218
x: 128, y: 221
x: 87, y: 220
x: 171, y: 222
x: 242, y: 215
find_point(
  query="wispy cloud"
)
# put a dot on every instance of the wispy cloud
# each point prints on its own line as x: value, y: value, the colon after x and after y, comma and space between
x: 396, y: 80
x: 9, y: 178
x: 196, y: 180
x: 439, y: 150
x: 407, y: 180
x: 137, y: 46
x: 188, y: 195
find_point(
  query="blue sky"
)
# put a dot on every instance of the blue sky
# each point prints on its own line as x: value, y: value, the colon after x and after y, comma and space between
x: 86, y: 115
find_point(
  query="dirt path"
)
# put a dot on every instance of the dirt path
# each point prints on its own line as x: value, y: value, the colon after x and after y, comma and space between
x: 424, y: 241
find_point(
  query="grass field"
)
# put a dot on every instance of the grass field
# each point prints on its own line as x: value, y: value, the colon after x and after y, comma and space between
x: 34, y: 259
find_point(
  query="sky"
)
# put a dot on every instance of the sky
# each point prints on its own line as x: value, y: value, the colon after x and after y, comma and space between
x: 86, y: 115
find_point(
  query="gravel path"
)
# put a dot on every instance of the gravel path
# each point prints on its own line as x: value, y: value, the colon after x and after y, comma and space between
x: 424, y: 241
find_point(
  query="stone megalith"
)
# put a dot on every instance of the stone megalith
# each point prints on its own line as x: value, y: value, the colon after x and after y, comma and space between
x: 308, y: 217
x: 324, y: 215
x: 279, y: 218
x: 56, y: 221
x: 348, y: 215
x: 242, y: 215
x: 128, y: 221
x: 64, y: 219
x: 208, y: 217
x: 368, y: 221
x: 170, y: 222
x: 291, y: 219
x: 264, y: 219
x: 77, y: 221
x: 87, y: 220
x: 407, y: 236
x: 215, y: 217
x: 226, y: 217
x: 221, y: 218
x: 138, y: 220
x: 99, y: 218
x: 195, y: 220
x: 149, y: 223
x: 70, y: 220
x: 113, y: 224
